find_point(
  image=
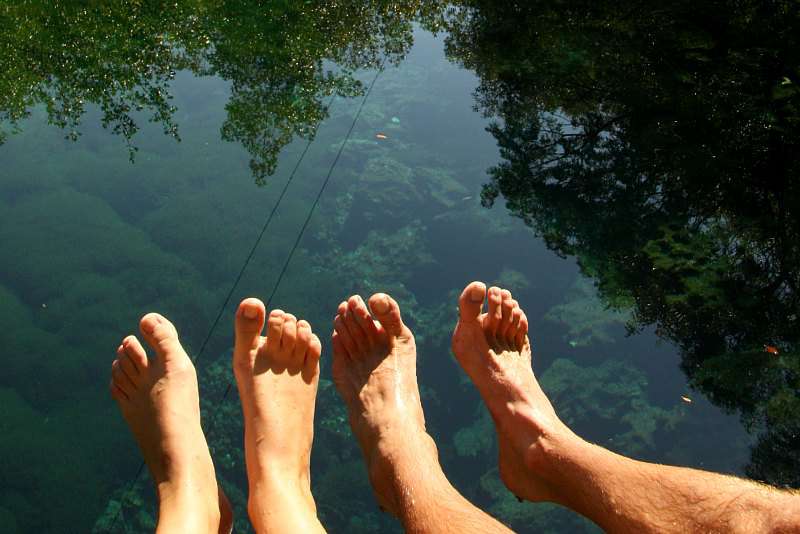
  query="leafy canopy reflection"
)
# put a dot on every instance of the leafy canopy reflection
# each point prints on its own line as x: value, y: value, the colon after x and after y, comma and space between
x: 659, y: 147
x: 281, y: 59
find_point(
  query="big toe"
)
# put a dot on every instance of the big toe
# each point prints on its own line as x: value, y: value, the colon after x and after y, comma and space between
x: 470, y: 303
x: 387, y: 312
x: 250, y: 318
x: 162, y: 336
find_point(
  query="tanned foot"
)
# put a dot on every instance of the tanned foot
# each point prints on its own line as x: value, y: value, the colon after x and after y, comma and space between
x: 494, y: 350
x: 277, y: 376
x: 374, y: 369
x: 159, y: 399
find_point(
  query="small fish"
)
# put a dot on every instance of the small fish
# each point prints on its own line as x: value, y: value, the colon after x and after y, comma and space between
x: 381, y: 136
x: 686, y: 399
x: 395, y: 120
x: 44, y: 305
x: 771, y: 349
x: 467, y: 198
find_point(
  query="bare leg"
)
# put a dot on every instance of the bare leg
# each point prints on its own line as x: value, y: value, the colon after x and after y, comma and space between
x: 541, y: 459
x: 277, y: 378
x: 159, y: 400
x: 374, y: 368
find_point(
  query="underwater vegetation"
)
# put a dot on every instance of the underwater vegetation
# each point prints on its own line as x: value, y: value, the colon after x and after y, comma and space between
x: 588, y: 319
x: 281, y: 60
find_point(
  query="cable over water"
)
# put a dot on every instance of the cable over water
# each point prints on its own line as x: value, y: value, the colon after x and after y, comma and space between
x: 257, y: 243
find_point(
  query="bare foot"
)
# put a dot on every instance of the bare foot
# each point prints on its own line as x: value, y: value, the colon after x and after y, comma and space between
x: 277, y: 378
x: 159, y: 400
x: 375, y: 371
x: 494, y: 350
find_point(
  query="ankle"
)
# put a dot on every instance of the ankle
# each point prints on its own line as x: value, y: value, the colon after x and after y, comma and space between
x: 291, y: 495
x: 403, y: 463
x: 187, y: 511
x: 552, y: 456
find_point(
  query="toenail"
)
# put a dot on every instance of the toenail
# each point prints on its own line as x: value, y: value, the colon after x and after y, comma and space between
x: 382, y: 304
x: 250, y: 312
x: 476, y: 295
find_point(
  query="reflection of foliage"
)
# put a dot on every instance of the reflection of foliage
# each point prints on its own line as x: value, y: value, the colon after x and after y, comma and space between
x: 275, y: 55
x: 587, y: 318
x: 281, y: 59
x: 656, y: 146
x: 64, y: 56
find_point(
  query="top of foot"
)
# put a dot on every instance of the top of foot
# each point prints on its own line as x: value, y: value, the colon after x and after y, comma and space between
x: 277, y: 377
x: 374, y: 368
x: 159, y: 400
x: 494, y: 350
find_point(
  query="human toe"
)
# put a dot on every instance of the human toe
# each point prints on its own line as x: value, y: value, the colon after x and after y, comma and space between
x: 470, y: 303
x: 312, y: 355
x: 495, y: 313
x: 128, y: 367
x: 342, y: 338
x: 161, y: 335
x: 359, y: 337
x: 303, y: 338
x: 274, y: 331
x: 513, y: 328
x: 134, y: 350
x: 250, y: 318
x: 121, y: 380
x: 521, y: 336
x: 507, y: 308
x: 357, y: 309
x: 289, y: 332
x: 387, y: 312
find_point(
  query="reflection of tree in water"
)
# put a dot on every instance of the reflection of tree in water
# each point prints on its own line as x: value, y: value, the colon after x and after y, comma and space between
x: 656, y: 146
x: 281, y: 58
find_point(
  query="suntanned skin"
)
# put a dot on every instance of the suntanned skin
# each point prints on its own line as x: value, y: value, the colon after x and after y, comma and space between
x: 542, y: 460
x: 374, y: 369
x: 159, y: 400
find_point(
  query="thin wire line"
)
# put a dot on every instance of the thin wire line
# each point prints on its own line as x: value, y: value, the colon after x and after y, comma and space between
x: 258, y: 241
x: 314, y: 206
x: 232, y: 289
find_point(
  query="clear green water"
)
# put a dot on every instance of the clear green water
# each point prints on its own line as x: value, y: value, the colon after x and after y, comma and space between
x: 673, y: 215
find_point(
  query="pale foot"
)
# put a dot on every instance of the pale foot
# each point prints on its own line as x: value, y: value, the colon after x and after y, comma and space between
x: 374, y: 369
x: 159, y: 399
x: 277, y: 377
x: 494, y: 350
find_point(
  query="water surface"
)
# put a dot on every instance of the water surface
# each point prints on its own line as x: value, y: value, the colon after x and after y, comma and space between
x: 643, y: 212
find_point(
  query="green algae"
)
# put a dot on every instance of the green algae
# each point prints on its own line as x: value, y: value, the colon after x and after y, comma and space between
x: 587, y: 318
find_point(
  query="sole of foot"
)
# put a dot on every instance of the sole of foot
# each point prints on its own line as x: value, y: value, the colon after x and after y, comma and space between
x: 374, y: 369
x: 159, y: 399
x: 277, y: 377
x: 494, y: 350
